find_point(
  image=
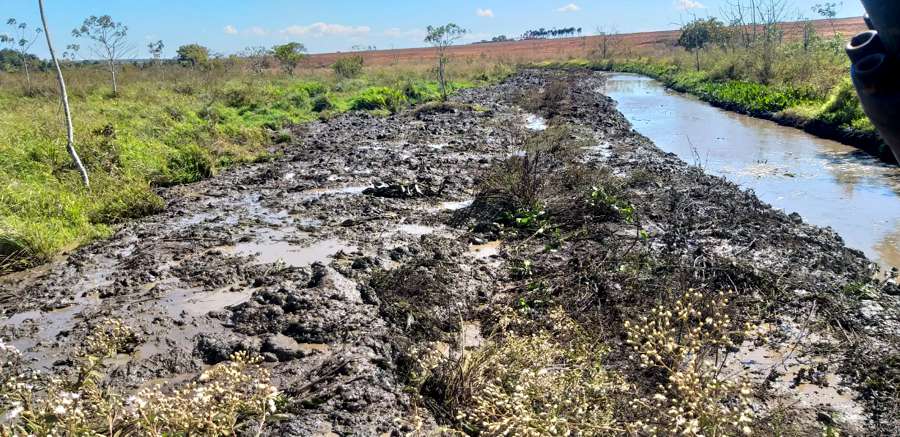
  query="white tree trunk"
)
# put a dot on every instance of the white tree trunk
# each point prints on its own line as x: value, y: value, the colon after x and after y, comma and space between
x: 70, y: 134
x: 27, y: 73
x: 112, y: 70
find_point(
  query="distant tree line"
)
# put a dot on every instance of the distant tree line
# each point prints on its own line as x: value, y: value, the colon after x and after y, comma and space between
x: 543, y: 33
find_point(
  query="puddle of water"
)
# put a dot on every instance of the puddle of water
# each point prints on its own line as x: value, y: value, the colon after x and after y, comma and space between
x: 48, y: 326
x: 757, y: 363
x: 198, y: 304
x: 274, y: 248
x: 456, y: 206
x: 535, y: 122
x: 417, y: 230
x: 486, y: 250
x: 827, y: 183
x: 316, y: 193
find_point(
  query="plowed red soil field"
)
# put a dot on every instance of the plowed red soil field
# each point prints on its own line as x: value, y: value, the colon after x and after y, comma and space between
x: 644, y: 44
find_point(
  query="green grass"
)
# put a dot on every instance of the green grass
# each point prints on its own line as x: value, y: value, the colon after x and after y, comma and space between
x: 168, y: 126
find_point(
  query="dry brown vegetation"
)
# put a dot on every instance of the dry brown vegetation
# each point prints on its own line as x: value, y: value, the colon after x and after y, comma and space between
x: 630, y: 44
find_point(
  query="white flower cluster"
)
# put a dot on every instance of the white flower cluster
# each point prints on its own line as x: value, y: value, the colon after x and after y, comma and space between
x: 682, y: 340
x: 217, y: 404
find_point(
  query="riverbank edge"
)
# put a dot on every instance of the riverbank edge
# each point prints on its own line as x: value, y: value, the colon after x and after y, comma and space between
x: 869, y: 142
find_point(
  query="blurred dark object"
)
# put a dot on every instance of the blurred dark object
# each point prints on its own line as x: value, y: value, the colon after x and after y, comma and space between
x: 875, y: 56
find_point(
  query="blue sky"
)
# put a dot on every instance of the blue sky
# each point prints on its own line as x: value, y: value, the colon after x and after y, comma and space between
x: 228, y: 26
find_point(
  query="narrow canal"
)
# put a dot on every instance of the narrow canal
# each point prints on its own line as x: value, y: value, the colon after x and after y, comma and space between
x: 828, y: 183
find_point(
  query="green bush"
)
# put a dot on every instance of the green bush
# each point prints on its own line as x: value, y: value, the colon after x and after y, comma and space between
x: 188, y: 164
x: 420, y: 92
x: 843, y: 106
x: 322, y: 103
x: 348, y: 67
x: 379, y: 98
x: 135, y: 199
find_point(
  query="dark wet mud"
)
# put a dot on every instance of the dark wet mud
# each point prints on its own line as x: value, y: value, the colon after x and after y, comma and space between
x: 371, y: 236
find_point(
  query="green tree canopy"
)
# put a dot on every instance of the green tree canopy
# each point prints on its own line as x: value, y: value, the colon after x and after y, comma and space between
x: 699, y: 33
x: 289, y: 55
x: 193, y: 54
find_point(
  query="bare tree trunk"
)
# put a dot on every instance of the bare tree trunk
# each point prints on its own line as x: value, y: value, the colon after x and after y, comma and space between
x: 27, y: 73
x: 441, y: 78
x: 70, y: 134
x: 112, y: 71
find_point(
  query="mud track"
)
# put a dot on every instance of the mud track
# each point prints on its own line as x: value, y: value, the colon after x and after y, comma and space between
x: 296, y: 259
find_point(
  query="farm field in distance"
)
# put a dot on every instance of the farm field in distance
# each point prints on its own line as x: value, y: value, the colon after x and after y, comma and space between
x: 223, y: 224
x: 539, y: 50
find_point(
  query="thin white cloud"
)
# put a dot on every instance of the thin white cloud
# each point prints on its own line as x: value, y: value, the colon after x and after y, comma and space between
x: 486, y: 13
x: 256, y: 31
x: 480, y: 36
x: 325, y: 29
x: 412, y: 34
x: 571, y: 7
x: 250, y: 31
x: 687, y: 5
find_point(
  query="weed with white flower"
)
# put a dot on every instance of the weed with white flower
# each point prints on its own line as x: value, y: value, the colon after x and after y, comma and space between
x: 226, y: 399
x: 686, y: 342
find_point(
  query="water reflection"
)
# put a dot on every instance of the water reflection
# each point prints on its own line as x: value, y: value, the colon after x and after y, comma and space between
x: 828, y: 183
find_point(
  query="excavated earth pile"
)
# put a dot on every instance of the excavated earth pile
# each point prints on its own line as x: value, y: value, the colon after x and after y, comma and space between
x: 373, y: 239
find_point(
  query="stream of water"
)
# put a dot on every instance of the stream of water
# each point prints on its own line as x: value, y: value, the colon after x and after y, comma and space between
x: 828, y: 183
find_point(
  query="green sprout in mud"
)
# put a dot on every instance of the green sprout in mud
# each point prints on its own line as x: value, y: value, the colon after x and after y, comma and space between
x: 528, y: 219
x: 605, y: 202
x: 523, y: 269
x: 643, y: 235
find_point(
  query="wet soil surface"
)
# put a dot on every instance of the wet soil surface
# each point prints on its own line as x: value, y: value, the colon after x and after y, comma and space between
x: 371, y: 235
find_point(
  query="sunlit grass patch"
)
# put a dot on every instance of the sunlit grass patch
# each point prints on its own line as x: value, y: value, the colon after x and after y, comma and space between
x: 170, y: 125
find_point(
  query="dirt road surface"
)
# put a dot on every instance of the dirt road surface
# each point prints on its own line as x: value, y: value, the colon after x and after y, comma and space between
x: 290, y: 259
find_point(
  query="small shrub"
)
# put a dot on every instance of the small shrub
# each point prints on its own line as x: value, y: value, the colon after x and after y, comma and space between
x: 682, y: 341
x: 552, y: 101
x: 379, y: 98
x: 420, y: 92
x: 843, y: 107
x: 188, y: 164
x: 606, y: 204
x: 549, y: 382
x: 241, y: 96
x: 322, y: 103
x: 221, y: 401
x: 134, y: 199
x: 348, y: 67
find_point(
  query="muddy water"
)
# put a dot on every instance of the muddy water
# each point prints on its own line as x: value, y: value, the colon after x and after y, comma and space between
x: 828, y: 183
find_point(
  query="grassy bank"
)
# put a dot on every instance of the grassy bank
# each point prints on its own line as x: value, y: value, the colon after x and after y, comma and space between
x: 169, y: 125
x: 809, y: 91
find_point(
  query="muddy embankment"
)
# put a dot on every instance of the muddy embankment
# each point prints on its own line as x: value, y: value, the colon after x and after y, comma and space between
x: 371, y: 239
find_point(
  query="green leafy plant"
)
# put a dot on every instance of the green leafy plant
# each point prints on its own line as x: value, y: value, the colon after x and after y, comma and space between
x: 374, y: 98
x: 348, y: 67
